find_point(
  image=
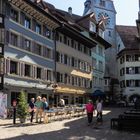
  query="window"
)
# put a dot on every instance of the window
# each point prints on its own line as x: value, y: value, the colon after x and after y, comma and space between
x: 128, y: 58
x: 119, y: 47
x: 27, y: 44
x: 94, y: 63
x: 38, y: 28
x: 130, y: 70
x: 37, y: 49
x: 137, y: 70
x: 102, y: 3
x: 13, y: 67
x: 65, y: 78
x: 137, y: 82
x: 72, y: 80
x: 100, y: 49
x: 14, y: 15
x: 130, y: 83
x: 14, y: 39
x: 27, y: 23
x: 38, y: 73
x: 65, y: 40
x: 58, y: 77
x: 106, y: 82
x: 137, y: 57
x: 109, y: 33
x: 49, y: 75
x: 100, y: 65
x: 122, y: 72
x: 27, y: 70
x: 122, y: 84
x: 122, y: 60
x: 65, y: 59
x: 61, y: 78
x: 47, y: 53
x: 47, y: 32
x: 72, y: 43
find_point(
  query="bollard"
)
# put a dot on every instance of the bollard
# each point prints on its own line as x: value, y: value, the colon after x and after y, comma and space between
x: 14, y: 111
x: 14, y: 115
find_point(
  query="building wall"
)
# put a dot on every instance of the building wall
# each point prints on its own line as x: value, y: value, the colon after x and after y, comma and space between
x: 98, y: 71
x: 72, y: 76
x: 38, y: 55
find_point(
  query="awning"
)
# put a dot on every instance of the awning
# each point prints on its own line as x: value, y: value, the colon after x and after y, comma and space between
x: 98, y: 93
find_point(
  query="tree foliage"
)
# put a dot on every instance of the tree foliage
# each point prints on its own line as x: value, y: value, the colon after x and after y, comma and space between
x: 22, y: 108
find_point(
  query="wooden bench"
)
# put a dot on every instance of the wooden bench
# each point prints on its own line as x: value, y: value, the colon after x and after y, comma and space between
x: 129, y: 121
x: 114, y: 123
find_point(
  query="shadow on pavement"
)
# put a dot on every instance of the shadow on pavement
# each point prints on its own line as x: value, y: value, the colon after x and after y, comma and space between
x: 79, y: 130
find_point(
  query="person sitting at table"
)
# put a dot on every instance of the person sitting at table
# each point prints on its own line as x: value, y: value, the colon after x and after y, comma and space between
x: 62, y: 102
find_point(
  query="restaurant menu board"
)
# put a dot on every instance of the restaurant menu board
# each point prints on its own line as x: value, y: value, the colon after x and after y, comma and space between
x: 3, y: 105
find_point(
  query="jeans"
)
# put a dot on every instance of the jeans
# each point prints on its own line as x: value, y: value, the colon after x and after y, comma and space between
x: 90, y: 116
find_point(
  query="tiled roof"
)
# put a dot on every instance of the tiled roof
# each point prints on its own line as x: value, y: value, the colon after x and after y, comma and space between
x: 129, y: 36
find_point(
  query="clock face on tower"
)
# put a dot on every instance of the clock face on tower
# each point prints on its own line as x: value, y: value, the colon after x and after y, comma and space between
x: 107, y: 22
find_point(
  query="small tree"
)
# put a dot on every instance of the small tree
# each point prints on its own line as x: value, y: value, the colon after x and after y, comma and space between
x: 22, y: 108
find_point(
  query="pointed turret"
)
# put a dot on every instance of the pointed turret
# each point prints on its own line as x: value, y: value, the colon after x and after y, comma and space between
x: 138, y: 21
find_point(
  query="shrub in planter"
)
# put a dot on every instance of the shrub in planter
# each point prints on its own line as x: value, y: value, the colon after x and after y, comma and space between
x: 22, y: 107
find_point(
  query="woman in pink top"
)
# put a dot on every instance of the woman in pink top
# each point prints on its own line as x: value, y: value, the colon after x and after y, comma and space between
x: 89, y: 109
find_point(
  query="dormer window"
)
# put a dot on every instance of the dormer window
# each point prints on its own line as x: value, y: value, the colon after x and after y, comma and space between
x: 102, y: 3
x: 14, y: 15
x: 38, y: 28
x: 27, y: 23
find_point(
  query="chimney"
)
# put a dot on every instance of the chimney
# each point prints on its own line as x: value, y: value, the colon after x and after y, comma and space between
x: 70, y: 10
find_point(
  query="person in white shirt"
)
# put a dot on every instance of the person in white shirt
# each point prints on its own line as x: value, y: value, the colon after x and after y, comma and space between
x: 99, y: 111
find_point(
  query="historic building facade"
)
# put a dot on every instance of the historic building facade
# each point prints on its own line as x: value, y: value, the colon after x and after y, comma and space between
x: 104, y: 9
x: 27, y: 46
x: 128, y: 49
x: 46, y: 51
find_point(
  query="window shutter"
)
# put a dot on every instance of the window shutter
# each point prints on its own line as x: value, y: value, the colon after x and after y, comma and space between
x: 22, y: 18
x: 22, y: 69
x: 45, y: 74
x: 42, y: 74
x: 7, y: 66
x: 7, y: 37
x: 58, y: 77
x: 57, y: 56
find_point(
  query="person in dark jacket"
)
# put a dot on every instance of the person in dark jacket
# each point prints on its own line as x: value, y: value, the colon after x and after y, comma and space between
x: 32, y: 106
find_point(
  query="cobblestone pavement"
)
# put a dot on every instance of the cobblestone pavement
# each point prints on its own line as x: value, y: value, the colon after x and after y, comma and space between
x: 68, y: 129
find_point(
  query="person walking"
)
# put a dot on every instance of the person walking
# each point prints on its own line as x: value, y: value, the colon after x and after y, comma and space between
x: 32, y: 106
x: 89, y: 109
x: 99, y: 111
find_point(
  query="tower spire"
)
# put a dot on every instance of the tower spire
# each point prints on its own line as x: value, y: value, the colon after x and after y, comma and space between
x: 139, y: 11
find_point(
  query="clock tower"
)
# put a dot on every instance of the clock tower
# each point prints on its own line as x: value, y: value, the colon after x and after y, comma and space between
x: 106, y: 8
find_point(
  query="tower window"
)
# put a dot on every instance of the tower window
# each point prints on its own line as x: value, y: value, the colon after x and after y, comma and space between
x: 109, y: 33
x: 102, y: 3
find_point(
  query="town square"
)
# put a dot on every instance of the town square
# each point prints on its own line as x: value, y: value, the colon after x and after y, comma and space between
x: 69, y: 70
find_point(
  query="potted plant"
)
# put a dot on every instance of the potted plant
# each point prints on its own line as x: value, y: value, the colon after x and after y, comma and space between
x: 22, y: 107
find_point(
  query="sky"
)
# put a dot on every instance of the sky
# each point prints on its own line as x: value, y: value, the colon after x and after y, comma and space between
x: 127, y: 10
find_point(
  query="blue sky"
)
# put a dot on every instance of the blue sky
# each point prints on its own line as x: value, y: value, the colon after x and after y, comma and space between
x: 127, y: 10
